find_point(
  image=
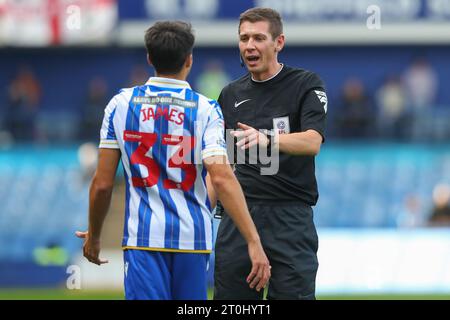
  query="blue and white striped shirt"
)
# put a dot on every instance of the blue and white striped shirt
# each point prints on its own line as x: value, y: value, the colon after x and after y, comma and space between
x: 164, y: 130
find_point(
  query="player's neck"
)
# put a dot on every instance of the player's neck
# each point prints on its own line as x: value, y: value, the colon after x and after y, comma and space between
x: 179, y: 76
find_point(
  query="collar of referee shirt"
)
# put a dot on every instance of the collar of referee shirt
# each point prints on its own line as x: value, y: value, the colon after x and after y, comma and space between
x: 167, y: 82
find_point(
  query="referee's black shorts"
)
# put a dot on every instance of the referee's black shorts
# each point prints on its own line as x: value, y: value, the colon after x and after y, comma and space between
x: 290, y: 241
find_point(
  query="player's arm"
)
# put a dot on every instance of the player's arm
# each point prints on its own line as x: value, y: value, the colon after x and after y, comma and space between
x: 99, y: 200
x: 230, y: 194
x: 211, y: 192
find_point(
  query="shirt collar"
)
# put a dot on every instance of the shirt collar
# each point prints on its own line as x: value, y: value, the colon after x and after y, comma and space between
x: 268, y: 79
x: 167, y: 82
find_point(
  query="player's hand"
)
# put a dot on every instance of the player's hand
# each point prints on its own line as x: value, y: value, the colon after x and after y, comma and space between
x: 91, y: 248
x: 260, y: 273
x: 249, y: 137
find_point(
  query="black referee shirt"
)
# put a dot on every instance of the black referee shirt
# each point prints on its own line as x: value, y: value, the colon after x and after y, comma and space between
x: 292, y: 101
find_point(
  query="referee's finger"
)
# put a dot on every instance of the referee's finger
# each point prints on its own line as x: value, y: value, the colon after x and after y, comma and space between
x: 253, y: 136
x: 248, y: 141
x: 242, y: 141
x: 243, y: 126
x: 252, y: 273
x: 252, y: 143
x: 257, y: 279
x: 237, y: 133
x: 264, y: 279
x: 242, y: 133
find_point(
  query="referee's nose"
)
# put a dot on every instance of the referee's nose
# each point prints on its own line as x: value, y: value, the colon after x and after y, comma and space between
x: 250, y: 44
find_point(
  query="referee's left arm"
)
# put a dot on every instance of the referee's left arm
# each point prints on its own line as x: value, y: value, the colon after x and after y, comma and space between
x: 313, y: 112
x: 307, y: 142
x: 300, y: 143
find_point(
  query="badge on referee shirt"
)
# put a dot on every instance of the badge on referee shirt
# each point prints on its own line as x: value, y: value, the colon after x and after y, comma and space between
x: 282, y: 125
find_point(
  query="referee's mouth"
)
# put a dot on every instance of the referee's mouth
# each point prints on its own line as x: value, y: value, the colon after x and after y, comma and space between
x: 252, y: 60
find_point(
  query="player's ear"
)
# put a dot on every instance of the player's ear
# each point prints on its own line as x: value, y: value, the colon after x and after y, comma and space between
x: 189, y: 61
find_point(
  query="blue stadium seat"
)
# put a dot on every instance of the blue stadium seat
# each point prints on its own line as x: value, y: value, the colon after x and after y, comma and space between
x: 358, y: 188
x: 41, y: 200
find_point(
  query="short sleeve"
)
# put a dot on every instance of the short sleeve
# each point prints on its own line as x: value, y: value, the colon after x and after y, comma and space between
x: 108, y: 138
x: 213, y: 143
x: 314, y: 110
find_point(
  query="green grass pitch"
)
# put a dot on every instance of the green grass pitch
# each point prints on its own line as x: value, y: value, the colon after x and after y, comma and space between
x: 64, y: 294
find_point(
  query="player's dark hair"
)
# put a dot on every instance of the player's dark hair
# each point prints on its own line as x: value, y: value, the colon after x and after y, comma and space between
x: 263, y: 14
x: 168, y: 45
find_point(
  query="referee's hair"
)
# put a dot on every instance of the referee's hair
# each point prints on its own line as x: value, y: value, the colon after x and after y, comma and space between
x: 263, y: 14
x: 168, y: 45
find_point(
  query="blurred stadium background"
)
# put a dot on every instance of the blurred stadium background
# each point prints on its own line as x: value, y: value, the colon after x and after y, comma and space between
x: 383, y: 215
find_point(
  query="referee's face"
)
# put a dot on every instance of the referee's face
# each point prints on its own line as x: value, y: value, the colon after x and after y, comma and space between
x: 258, y: 49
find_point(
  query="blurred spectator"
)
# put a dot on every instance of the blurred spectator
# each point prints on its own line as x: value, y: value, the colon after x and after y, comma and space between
x: 138, y: 76
x: 212, y: 79
x: 93, y: 109
x: 53, y: 254
x: 355, y: 117
x: 440, y: 215
x: 24, y: 97
x: 421, y: 83
x: 391, y: 102
x: 411, y: 215
x: 87, y: 156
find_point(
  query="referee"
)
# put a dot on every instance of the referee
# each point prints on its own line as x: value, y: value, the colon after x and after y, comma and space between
x: 283, y: 108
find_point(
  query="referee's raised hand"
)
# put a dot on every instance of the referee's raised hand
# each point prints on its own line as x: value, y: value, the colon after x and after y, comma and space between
x: 249, y: 137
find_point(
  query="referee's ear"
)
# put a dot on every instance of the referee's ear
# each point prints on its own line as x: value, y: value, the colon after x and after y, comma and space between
x: 279, y: 43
